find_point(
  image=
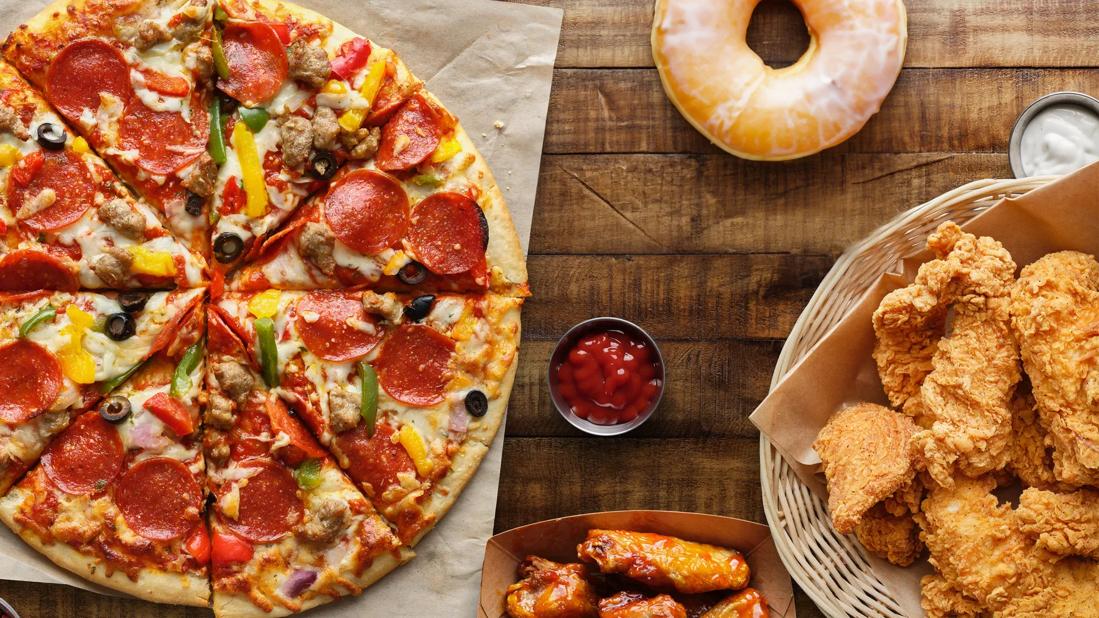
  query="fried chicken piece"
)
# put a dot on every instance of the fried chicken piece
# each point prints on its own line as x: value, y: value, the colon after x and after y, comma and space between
x: 665, y: 562
x: 1032, y: 450
x: 551, y: 590
x: 895, y: 538
x: 941, y: 600
x: 1069, y: 593
x: 1066, y: 524
x: 636, y: 605
x: 747, y: 603
x: 1055, y: 316
x: 867, y: 454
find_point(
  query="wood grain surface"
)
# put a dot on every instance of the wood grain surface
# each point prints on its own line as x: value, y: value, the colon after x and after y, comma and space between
x: 639, y: 217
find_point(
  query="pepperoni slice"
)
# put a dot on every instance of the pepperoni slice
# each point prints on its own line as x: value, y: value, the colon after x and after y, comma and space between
x: 159, y: 498
x: 409, y: 137
x: 302, y: 445
x: 335, y: 326
x: 367, y: 211
x: 269, y: 503
x: 81, y: 71
x: 27, y: 269
x: 374, y: 459
x: 164, y: 141
x: 449, y: 233
x: 257, y: 62
x: 413, y: 366
x: 30, y: 380
x: 64, y: 173
x: 86, y: 457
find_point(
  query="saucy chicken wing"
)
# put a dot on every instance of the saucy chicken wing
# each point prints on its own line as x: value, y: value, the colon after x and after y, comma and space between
x: 636, y: 605
x: 665, y: 562
x: 747, y: 603
x: 551, y: 590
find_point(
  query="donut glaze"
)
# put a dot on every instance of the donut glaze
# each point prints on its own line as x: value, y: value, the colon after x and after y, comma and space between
x: 753, y: 111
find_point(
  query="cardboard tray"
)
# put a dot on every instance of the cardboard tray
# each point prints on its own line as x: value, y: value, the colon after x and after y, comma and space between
x: 556, y: 539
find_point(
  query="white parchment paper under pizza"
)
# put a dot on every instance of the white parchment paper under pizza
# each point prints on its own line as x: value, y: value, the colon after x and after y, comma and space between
x: 491, y: 63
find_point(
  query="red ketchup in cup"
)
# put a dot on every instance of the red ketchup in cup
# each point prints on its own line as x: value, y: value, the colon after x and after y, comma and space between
x: 608, y: 377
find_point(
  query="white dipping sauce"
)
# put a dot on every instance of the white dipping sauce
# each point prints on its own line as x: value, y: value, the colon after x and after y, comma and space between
x: 1060, y: 139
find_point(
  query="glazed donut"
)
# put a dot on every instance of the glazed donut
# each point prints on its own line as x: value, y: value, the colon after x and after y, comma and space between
x: 756, y: 112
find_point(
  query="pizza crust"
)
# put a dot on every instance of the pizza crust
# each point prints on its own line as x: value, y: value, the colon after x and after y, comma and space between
x: 151, y: 585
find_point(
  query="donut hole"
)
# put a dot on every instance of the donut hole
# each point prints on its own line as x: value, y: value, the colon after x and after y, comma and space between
x: 777, y: 33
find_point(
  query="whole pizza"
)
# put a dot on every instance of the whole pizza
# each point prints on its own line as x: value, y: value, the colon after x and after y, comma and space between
x: 259, y: 302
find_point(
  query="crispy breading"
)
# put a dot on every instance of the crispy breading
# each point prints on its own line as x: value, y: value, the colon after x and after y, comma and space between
x: 867, y: 454
x: 1066, y: 524
x: 941, y: 600
x: 895, y: 538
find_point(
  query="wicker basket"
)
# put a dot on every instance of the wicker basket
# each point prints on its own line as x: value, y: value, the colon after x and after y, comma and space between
x: 833, y: 568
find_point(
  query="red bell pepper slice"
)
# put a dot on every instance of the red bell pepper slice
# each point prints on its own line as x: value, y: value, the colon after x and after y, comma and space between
x: 171, y: 412
x: 351, y: 57
x: 198, y: 544
x: 228, y: 548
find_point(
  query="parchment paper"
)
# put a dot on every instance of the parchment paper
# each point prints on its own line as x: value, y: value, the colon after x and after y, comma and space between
x: 839, y: 371
x: 489, y: 62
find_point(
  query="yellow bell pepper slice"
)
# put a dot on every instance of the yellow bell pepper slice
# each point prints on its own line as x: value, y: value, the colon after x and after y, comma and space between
x: 265, y: 304
x: 395, y: 263
x: 446, y: 150
x: 244, y: 143
x: 77, y: 363
x: 352, y: 119
x: 151, y: 262
x: 9, y: 155
x: 414, y: 445
x: 80, y: 146
x: 334, y: 86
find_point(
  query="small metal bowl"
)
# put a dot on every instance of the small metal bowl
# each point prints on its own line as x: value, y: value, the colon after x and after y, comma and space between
x: 1015, y: 147
x: 566, y: 343
x: 7, y: 610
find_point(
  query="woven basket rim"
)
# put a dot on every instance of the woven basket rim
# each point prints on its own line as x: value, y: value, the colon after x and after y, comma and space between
x: 833, y: 569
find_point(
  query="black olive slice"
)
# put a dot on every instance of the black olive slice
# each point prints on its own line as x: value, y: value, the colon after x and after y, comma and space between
x: 115, y: 408
x: 227, y: 247
x: 412, y: 273
x: 476, y: 403
x: 195, y: 202
x: 323, y: 165
x: 120, y: 326
x: 419, y: 307
x: 132, y: 302
x: 484, y: 225
x: 50, y: 136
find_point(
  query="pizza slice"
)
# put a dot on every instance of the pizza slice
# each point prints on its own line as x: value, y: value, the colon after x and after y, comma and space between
x: 117, y: 497
x: 66, y: 221
x: 133, y: 76
x: 437, y: 372
x: 289, y: 530
x: 60, y: 351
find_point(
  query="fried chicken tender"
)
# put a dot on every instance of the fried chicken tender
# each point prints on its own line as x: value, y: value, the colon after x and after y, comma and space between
x: 636, y: 605
x: 1066, y: 524
x: 895, y: 538
x: 961, y: 393
x: 941, y: 600
x: 747, y: 603
x: 867, y: 454
x: 1032, y: 448
x: 665, y: 562
x: 1055, y: 316
x: 551, y: 590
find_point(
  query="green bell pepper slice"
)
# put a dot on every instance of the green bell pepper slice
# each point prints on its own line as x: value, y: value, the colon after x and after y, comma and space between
x: 368, y: 404
x: 255, y: 118
x: 47, y: 313
x: 181, y: 379
x: 216, y: 147
x: 308, y: 474
x: 268, y: 351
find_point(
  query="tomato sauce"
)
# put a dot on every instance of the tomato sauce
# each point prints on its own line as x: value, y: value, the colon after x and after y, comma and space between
x: 608, y: 377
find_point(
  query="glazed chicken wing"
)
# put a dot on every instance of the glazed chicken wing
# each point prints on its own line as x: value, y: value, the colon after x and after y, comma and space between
x: 636, y: 605
x: 665, y: 562
x: 867, y: 454
x: 551, y: 590
x: 1055, y: 315
x: 747, y: 603
x: 965, y: 385
x: 1065, y: 524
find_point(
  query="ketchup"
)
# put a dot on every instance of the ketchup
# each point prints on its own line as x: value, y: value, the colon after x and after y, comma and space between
x: 608, y: 378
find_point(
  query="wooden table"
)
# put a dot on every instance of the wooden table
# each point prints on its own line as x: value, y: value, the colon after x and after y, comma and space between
x: 639, y: 217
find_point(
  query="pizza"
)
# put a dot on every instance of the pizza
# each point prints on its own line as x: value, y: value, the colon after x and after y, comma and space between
x: 67, y: 222
x: 259, y: 302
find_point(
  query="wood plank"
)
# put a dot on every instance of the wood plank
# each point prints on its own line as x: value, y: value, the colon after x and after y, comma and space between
x: 674, y: 296
x: 34, y: 600
x: 942, y: 33
x: 711, y: 388
x: 612, y: 204
x: 929, y: 110
x: 722, y: 477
